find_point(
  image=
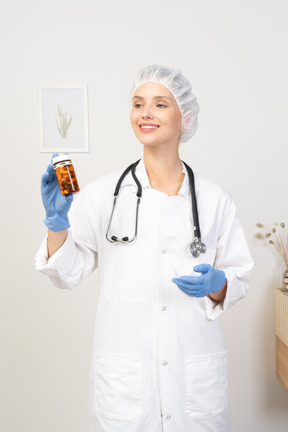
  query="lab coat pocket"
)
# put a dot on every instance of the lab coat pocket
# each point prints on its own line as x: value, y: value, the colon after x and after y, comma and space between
x: 118, y: 387
x: 206, y: 385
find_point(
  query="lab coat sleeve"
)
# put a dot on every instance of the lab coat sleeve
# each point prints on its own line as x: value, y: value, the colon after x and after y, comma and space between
x: 233, y: 257
x: 78, y: 256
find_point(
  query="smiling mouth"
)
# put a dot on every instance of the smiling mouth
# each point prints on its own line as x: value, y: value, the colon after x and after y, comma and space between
x: 148, y: 126
x: 147, y: 129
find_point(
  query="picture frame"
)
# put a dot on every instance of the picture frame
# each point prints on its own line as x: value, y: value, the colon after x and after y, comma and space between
x: 63, y: 118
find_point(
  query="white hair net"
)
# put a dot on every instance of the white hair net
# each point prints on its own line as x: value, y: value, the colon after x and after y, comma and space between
x: 180, y: 88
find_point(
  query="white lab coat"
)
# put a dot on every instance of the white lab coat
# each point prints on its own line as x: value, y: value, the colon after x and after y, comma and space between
x: 159, y: 361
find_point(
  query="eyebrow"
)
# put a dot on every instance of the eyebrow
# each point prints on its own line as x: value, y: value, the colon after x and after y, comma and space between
x: 156, y: 97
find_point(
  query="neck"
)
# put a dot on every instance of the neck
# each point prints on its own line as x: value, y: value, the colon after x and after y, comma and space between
x: 162, y: 161
x: 164, y: 169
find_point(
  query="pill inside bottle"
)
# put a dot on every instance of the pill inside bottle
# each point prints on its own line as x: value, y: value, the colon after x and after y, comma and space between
x: 65, y: 174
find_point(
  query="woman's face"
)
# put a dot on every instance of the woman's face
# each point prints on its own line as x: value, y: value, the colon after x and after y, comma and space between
x: 155, y: 116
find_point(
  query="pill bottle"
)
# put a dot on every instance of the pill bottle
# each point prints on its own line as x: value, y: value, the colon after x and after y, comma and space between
x: 65, y: 174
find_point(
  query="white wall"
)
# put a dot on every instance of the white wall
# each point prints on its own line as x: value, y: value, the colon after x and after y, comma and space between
x: 235, y: 54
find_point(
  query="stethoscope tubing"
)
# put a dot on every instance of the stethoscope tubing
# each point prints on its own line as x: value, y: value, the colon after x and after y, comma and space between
x: 197, y: 232
x: 196, y: 247
x: 131, y: 168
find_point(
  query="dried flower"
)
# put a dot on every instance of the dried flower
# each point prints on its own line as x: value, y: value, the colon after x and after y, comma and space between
x: 276, y: 237
x: 259, y: 235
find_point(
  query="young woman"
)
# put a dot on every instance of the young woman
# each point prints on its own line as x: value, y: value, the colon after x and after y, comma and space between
x: 159, y: 360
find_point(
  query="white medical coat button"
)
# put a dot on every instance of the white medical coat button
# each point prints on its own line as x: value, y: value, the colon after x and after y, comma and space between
x: 168, y: 417
x: 164, y: 308
x: 164, y: 251
x: 165, y: 364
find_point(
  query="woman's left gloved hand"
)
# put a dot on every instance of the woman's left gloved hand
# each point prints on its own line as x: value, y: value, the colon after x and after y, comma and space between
x: 210, y: 281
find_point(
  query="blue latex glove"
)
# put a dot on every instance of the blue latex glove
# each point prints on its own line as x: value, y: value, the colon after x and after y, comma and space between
x: 210, y: 281
x: 56, y: 204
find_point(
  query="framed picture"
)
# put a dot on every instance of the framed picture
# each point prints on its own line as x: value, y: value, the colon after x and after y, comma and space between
x: 63, y: 118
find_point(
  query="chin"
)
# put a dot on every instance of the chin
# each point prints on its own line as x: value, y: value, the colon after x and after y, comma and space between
x: 149, y: 142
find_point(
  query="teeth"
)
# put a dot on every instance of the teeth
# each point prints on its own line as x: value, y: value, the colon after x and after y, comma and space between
x: 149, y: 127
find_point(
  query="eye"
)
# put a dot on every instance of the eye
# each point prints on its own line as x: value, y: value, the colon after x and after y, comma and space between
x: 161, y: 105
x: 138, y: 105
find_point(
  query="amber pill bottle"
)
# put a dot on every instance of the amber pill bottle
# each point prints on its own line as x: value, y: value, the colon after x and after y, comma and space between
x: 65, y: 174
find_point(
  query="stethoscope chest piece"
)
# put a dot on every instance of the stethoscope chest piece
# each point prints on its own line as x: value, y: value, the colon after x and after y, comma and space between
x: 197, y: 247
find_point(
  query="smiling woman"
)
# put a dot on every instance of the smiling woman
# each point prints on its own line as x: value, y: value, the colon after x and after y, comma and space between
x: 179, y: 91
x: 159, y: 356
x: 158, y: 116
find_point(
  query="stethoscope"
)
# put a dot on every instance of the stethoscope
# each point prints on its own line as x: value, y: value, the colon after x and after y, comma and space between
x: 196, y: 246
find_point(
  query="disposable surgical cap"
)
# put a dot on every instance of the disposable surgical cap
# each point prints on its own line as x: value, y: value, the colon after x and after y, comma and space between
x: 180, y: 88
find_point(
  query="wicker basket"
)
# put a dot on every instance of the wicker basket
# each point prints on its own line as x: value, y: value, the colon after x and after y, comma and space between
x: 282, y: 336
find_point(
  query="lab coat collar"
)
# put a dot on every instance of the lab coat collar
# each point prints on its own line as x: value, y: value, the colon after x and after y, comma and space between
x: 185, y: 188
x: 144, y: 179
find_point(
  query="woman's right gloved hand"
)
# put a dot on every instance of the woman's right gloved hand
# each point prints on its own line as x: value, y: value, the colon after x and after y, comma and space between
x: 56, y: 204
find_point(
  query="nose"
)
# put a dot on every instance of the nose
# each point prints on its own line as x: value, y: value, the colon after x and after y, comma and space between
x: 147, y: 113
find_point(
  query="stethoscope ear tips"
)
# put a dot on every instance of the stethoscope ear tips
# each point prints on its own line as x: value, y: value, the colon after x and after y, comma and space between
x: 124, y: 239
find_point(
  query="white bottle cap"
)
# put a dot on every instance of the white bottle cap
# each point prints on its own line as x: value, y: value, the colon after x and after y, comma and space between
x: 61, y: 158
